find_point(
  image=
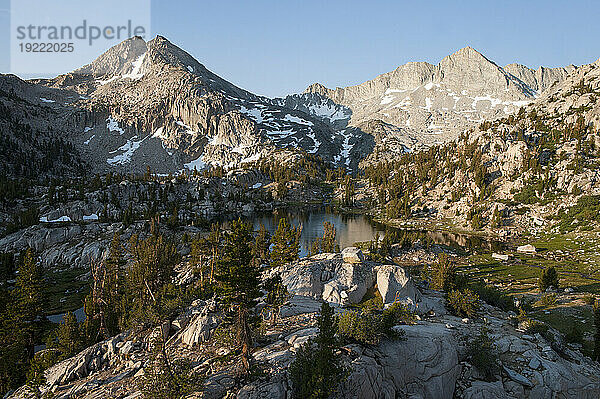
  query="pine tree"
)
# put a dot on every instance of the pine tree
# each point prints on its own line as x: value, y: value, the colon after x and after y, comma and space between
x: 14, y: 354
x: 165, y: 378
x: 69, y: 339
x: 239, y: 281
x: 496, y: 218
x: 327, y: 243
x: 286, y: 243
x: 276, y: 294
x: 151, y: 271
x: 207, y: 248
x: 597, y: 332
x: 260, y: 247
x: 317, y: 370
x: 548, y: 278
x: 105, y: 315
x: 31, y: 298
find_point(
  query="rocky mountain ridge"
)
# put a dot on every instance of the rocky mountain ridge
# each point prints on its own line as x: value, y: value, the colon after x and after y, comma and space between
x: 420, y: 104
x: 151, y: 104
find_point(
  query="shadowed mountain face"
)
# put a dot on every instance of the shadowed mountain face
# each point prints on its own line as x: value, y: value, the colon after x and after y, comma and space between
x: 152, y: 104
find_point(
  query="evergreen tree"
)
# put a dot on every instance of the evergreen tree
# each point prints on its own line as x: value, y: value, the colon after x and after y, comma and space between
x: 328, y: 243
x: 317, y: 371
x: 276, y: 294
x: 548, y: 278
x: 207, y: 248
x: 148, y: 277
x: 69, y: 339
x: 261, y: 244
x: 165, y: 378
x: 14, y: 354
x: 596, y: 355
x: 104, y: 304
x: 31, y: 298
x: 496, y: 218
x: 286, y: 243
x: 239, y: 281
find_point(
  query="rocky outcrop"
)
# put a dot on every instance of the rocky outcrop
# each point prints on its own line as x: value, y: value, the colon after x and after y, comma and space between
x: 395, y: 285
x: 425, y: 365
x: 331, y: 278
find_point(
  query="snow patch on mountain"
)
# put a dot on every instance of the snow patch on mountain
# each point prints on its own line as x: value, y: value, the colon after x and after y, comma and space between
x: 196, y: 164
x: 295, y: 119
x: 129, y: 148
x: 113, y: 126
x: 136, y: 72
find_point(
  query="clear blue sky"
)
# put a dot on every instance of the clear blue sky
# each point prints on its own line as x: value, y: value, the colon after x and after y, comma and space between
x: 278, y: 47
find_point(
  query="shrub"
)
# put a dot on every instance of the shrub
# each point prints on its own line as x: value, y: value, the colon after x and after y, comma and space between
x: 536, y: 327
x: 361, y: 326
x: 548, y: 300
x: 443, y: 276
x: 589, y: 299
x: 548, y: 278
x: 493, y: 296
x: 317, y: 371
x: 463, y: 303
x: 166, y: 378
x: 397, y: 313
x: 373, y: 304
x: 483, y: 355
x: 575, y: 335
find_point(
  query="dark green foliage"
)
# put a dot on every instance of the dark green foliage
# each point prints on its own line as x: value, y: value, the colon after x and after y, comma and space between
x: 105, y: 304
x: 397, y: 313
x: 492, y: 296
x: 276, y: 294
x: 7, y: 265
x: 548, y: 278
x: 362, y: 326
x: 317, y: 370
x: 575, y: 335
x: 327, y: 243
x: 444, y: 276
x: 368, y: 325
x: 30, y: 297
x: 586, y: 211
x: 238, y: 279
x: 261, y: 244
x: 463, y: 303
x: 69, y: 339
x: 596, y: 354
x: 149, y: 288
x: 23, y: 219
x: 286, y: 243
x: 496, y: 218
x: 14, y: 355
x: 165, y: 378
x: 483, y: 355
x: 207, y: 248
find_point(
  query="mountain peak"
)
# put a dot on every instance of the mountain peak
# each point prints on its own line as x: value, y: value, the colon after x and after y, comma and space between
x: 317, y: 88
x: 465, y: 55
x: 116, y: 59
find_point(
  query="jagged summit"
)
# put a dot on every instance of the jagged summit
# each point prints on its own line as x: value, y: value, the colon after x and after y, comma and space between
x: 133, y: 56
x: 116, y: 60
x: 467, y: 55
x: 317, y: 88
x: 419, y: 103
